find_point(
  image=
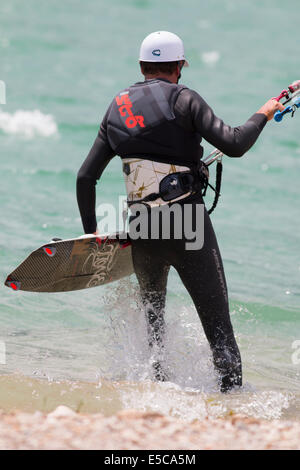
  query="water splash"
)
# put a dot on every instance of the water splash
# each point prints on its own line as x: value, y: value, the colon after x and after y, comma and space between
x: 192, y: 390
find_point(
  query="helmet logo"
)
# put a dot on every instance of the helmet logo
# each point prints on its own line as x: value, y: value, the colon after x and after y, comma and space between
x: 156, y: 52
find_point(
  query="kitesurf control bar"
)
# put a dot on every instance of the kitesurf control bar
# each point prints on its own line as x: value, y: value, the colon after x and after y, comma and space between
x: 291, y: 95
x: 213, y: 156
x: 289, y: 109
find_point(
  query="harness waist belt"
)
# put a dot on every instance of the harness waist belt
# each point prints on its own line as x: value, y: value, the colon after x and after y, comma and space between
x: 156, y: 183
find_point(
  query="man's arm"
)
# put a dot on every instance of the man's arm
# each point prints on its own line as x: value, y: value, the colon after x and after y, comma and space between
x: 92, y: 168
x: 233, y: 141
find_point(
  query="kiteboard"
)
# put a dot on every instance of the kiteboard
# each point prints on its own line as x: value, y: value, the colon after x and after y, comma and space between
x: 78, y: 263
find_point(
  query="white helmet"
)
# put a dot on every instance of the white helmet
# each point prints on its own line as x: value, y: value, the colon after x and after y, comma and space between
x: 162, y: 46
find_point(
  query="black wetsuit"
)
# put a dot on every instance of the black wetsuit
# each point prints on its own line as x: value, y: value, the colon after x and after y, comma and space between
x: 178, y: 120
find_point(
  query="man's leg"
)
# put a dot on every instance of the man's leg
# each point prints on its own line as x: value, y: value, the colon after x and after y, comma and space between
x: 202, y: 273
x: 152, y: 274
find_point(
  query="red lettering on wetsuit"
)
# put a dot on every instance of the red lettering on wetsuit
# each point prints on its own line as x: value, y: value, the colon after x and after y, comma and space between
x: 125, y: 106
x: 124, y: 99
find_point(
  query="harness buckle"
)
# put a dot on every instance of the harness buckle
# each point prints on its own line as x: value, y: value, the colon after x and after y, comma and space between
x: 176, y: 185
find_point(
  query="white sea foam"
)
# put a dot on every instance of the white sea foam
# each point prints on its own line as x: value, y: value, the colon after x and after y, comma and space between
x: 2, y: 92
x: 28, y: 124
x: 211, y: 57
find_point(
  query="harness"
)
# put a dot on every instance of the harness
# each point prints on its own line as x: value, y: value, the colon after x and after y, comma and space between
x: 156, y: 184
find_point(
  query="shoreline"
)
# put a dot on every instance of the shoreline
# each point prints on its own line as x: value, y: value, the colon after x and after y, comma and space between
x: 64, y: 429
x: 24, y: 394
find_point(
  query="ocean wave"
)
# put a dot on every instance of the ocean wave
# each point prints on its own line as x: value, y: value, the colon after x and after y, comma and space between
x: 28, y: 124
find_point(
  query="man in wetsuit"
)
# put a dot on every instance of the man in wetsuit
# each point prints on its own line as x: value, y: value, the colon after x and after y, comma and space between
x: 160, y: 123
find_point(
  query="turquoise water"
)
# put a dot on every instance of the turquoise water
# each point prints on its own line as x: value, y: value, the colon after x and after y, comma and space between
x: 62, y: 63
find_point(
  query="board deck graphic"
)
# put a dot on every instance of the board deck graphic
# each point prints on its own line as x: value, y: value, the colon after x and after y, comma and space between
x: 74, y: 264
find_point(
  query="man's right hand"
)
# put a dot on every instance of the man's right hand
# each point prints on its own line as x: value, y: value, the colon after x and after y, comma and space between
x: 270, y: 108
